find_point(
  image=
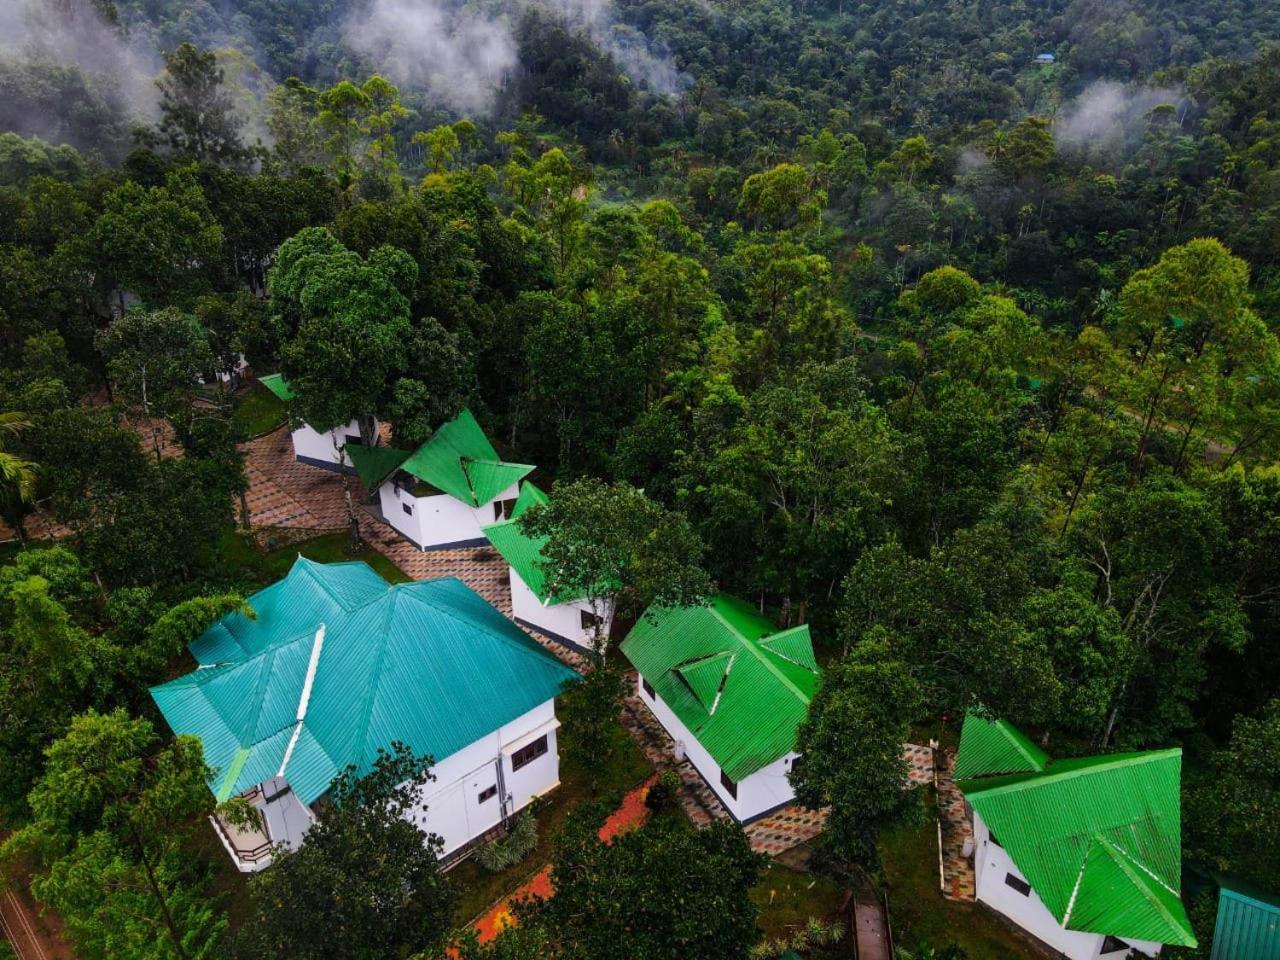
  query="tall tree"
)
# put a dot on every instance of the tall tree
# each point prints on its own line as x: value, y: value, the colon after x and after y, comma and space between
x: 197, y: 112
x: 365, y: 884
x: 112, y: 819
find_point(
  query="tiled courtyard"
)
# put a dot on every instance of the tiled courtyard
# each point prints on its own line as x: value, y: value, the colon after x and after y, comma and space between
x: 958, y: 882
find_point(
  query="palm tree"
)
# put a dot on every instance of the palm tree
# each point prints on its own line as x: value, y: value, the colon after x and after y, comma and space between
x: 17, y: 476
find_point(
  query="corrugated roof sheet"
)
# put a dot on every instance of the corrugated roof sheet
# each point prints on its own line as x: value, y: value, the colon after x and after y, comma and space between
x: 994, y: 746
x: 430, y: 664
x: 277, y: 384
x: 1248, y: 924
x: 522, y: 552
x: 763, y: 696
x: 375, y: 464
x: 1098, y: 838
x: 460, y: 460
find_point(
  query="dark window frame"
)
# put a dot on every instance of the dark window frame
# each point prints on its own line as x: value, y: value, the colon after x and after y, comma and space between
x: 1113, y: 945
x: 730, y: 785
x: 529, y: 753
x: 589, y: 620
x: 488, y: 793
x: 407, y: 508
x: 647, y: 687
x: 1016, y: 883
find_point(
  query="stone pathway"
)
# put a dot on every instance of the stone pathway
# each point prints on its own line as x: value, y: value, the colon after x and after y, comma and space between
x: 286, y: 493
x: 958, y: 881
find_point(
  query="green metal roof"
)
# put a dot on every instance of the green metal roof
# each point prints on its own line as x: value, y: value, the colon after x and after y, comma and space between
x: 276, y: 383
x: 375, y: 464
x: 460, y: 460
x: 1098, y: 838
x: 522, y: 552
x: 430, y: 664
x: 1248, y: 924
x: 994, y: 746
x: 740, y: 685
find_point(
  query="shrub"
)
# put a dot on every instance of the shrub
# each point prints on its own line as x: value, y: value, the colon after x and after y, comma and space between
x: 664, y: 793
x: 507, y: 851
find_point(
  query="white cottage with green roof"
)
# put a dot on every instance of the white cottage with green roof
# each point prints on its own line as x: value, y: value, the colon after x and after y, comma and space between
x: 1084, y: 854
x: 337, y: 664
x: 536, y: 602
x: 319, y: 448
x: 732, y: 690
x: 440, y: 495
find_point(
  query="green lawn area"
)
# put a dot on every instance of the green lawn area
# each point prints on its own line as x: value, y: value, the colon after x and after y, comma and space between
x: 258, y: 410
x: 479, y: 889
x: 788, y: 898
x: 244, y: 561
x: 918, y: 910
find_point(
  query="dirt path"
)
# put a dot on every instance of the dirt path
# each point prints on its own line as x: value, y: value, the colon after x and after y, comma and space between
x: 28, y: 933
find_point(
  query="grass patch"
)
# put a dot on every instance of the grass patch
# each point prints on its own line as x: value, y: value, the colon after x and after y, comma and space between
x: 479, y: 889
x: 245, y: 562
x: 258, y: 410
x: 920, y: 914
x: 788, y: 898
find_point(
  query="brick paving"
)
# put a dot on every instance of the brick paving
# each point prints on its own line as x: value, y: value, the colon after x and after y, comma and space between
x: 958, y: 881
x: 286, y: 493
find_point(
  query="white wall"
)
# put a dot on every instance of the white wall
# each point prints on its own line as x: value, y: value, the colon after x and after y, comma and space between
x: 764, y: 790
x: 439, y: 520
x: 560, y: 621
x: 452, y: 806
x: 320, y: 449
x: 992, y: 863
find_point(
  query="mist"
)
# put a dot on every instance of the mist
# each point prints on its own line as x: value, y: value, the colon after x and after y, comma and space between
x: 1108, y: 114
x: 461, y: 57
x: 96, y: 80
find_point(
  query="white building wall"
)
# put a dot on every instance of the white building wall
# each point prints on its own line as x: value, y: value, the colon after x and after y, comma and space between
x: 559, y: 621
x: 757, y: 794
x: 438, y: 521
x: 321, y: 449
x: 992, y: 864
x: 451, y: 801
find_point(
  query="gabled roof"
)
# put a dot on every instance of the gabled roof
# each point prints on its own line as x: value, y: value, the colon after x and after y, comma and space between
x: 522, y: 552
x: 277, y: 384
x: 430, y: 664
x: 375, y: 464
x: 1098, y: 838
x: 460, y: 461
x: 994, y: 746
x: 740, y: 685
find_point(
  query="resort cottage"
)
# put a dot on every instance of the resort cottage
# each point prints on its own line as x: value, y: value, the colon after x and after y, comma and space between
x: 338, y: 664
x: 731, y: 690
x: 320, y: 449
x: 440, y: 495
x: 1084, y: 854
x: 535, y: 600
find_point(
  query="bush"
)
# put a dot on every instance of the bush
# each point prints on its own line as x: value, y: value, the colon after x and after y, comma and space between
x: 664, y: 794
x: 515, y: 846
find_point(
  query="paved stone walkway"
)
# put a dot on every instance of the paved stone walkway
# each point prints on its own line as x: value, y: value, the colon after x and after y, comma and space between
x: 286, y: 493
x: 958, y: 882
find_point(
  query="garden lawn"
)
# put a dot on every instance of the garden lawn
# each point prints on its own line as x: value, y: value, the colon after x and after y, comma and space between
x: 788, y: 898
x: 258, y: 411
x: 920, y: 914
x: 244, y: 561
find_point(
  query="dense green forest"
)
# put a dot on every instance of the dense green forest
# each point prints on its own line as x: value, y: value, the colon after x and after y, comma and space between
x: 963, y: 354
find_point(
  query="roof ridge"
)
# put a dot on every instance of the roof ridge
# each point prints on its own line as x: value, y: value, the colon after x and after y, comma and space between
x: 532, y: 648
x: 1127, y: 865
x: 758, y: 653
x: 1034, y: 778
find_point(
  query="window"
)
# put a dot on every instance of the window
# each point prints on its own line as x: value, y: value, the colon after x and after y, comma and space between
x: 488, y: 793
x: 729, y: 785
x: 353, y: 441
x: 408, y: 508
x: 529, y: 753
x: 1113, y: 945
x: 648, y: 688
x: 992, y: 837
x: 1018, y: 884
x: 796, y: 766
x: 589, y: 620
x: 502, y: 509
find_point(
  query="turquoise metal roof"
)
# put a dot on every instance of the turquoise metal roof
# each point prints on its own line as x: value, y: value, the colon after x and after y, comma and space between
x: 1248, y: 924
x: 429, y: 664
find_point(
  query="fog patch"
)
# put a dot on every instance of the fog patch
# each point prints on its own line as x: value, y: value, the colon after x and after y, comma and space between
x: 1108, y: 114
